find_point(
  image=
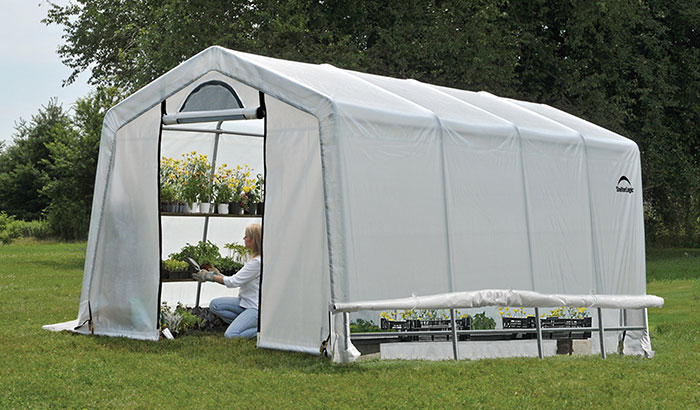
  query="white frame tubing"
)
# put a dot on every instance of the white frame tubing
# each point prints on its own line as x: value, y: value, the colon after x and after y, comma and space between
x: 183, y: 129
x: 189, y: 117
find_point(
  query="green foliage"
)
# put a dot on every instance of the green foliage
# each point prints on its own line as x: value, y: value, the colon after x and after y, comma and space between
x: 38, y: 229
x: 72, y: 164
x: 177, y: 320
x: 174, y: 265
x: 189, y: 321
x: 482, y: 322
x: 23, y: 167
x: 49, y: 169
x: 228, y: 266
x: 203, y: 253
x: 631, y: 66
x: 9, y: 228
x: 363, y: 326
x: 240, y: 252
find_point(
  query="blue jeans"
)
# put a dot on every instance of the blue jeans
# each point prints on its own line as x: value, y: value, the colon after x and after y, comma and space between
x: 243, y: 322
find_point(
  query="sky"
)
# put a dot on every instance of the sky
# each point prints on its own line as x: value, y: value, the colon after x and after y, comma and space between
x: 31, y: 71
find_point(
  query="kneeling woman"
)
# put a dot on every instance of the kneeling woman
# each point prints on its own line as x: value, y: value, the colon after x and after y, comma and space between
x: 242, y: 311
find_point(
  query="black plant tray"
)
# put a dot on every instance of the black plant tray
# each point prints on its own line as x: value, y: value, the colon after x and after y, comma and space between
x: 179, y: 276
x: 518, y: 322
x: 564, y: 322
x: 415, y: 325
x: 550, y: 322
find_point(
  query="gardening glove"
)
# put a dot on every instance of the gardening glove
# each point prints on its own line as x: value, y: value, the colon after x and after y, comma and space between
x: 204, y: 276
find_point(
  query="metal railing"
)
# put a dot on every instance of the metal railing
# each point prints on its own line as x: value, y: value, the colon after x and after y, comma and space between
x: 538, y: 330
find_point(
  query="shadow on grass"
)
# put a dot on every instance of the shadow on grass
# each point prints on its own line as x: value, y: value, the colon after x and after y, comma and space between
x: 212, y: 347
x: 77, y: 263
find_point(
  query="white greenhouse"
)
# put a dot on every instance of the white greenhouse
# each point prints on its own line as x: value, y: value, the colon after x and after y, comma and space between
x: 375, y: 188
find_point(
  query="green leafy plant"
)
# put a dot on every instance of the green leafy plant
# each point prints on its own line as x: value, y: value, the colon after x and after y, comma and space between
x: 260, y: 188
x: 174, y: 265
x: 39, y: 229
x: 179, y: 319
x: 244, y: 191
x: 228, y: 266
x: 203, y: 253
x: 224, y: 187
x: 10, y: 228
x: 363, y: 326
x: 170, y: 179
x: 239, y: 252
x: 188, y: 321
x: 195, y: 177
x: 482, y: 322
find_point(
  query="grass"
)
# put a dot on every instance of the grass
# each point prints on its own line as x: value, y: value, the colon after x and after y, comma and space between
x: 40, y: 283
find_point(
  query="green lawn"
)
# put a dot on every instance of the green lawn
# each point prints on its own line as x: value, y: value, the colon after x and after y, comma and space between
x: 40, y: 283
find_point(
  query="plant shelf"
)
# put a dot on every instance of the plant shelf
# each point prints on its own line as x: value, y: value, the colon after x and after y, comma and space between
x: 211, y: 215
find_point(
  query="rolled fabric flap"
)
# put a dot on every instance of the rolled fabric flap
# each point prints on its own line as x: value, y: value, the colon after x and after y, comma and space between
x: 503, y: 297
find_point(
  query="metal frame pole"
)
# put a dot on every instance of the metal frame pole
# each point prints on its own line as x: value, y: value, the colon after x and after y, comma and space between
x: 538, y: 326
x: 602, y: 333
x: 217, y: 131
x: 346, y: 329
x: 454, y: 334
x: 205, y: 232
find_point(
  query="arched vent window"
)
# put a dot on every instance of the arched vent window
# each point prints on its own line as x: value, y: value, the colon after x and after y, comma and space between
x: 211, y: 96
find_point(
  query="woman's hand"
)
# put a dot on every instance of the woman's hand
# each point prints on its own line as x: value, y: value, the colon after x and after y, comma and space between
x: 204, y: 276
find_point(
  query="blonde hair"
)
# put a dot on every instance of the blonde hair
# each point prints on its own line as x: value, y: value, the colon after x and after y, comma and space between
x: 254, y: 233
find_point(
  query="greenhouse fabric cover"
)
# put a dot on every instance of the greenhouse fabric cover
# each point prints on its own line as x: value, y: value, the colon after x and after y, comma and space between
x: 376, y: 188
x: 501, y: 297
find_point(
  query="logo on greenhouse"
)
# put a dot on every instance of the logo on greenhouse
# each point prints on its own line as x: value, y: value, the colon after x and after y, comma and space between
x: 624, y: 185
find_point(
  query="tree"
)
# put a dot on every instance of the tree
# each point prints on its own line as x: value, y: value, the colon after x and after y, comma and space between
x: 128, y: 44
x: 23, y: 171
x: 632, y: 66
x: 72, y: 163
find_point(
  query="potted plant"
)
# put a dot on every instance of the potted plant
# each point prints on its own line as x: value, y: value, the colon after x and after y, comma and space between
x: 243, y: 186
x: 251, y: 202
x: 260, y: 194
x: 238, y: 252
x: 228, y: 266
x: 206, y: 195
x: 169, y: 184
x: 223, y: 189
x: 196, y: 180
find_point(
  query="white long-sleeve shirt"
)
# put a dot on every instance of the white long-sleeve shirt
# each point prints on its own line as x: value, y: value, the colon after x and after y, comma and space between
x: 248, y: 280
